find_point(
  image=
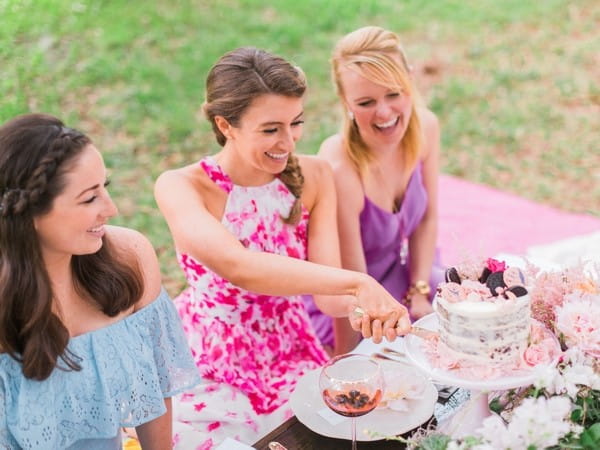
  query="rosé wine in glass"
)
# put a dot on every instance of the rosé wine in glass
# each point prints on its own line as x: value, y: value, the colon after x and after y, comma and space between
x: 352, y: 386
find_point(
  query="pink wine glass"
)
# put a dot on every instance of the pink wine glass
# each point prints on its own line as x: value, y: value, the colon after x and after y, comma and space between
x: 352, y: 386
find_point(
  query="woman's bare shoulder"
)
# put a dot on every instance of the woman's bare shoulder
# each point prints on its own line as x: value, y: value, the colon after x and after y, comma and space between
x: 429, y: 121
x: 192, y: 174
x: 132, y: 244
x: 317, y: 175
x: 182, y: 187
x: 332, y: 148
x: 313, y: 165
x: 431, y: 133
x: 344, y: 176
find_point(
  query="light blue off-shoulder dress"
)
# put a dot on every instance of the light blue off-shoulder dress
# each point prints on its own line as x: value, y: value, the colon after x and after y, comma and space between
x: 128, y: 368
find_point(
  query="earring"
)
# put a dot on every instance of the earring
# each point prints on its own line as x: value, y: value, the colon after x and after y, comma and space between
x: 350, y: 115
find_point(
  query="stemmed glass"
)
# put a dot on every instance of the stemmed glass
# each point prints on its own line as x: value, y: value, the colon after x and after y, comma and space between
x: 352, y: 386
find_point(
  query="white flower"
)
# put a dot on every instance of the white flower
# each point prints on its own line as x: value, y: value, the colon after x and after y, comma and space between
x: 575, y: 355
x: 546, y: 378
x: 578, y: 376
x: 538, y: 423
x: 494, y: 432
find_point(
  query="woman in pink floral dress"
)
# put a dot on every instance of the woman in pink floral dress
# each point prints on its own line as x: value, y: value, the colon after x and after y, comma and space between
x: 254, y: 227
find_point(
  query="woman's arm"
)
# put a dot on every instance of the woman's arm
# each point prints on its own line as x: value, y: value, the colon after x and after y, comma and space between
x: 323, y: 242
x: 324, y: 246
x: 157, y: 434
x: 350, y: 202
x: 199, y: 234
x: 423, y: 240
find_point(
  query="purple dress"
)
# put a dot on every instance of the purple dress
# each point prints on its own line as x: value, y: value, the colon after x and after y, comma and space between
x: 384, y: 238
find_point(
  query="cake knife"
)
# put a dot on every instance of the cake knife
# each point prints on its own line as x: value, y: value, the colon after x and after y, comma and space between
x: 424, y: 333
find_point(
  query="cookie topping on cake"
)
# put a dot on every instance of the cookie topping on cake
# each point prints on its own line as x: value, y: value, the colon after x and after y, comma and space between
x: 489, y: 280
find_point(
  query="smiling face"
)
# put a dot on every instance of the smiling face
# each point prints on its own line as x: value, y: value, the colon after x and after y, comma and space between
x: 75, y: 223
x: 381, y: 113
x: 264, y: 139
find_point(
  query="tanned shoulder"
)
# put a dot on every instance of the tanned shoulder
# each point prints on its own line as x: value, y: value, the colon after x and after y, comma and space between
x: 137, y: 249
x: 431, y: 131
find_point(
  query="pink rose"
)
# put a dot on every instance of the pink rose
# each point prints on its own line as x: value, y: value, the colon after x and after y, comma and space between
x: 535, y: 354
x: 542, y: 353
x: 552, y: 348
x: 495, y: 265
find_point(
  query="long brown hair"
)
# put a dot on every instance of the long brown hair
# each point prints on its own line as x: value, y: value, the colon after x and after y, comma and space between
x: 238, y: 78
x: 376, y: 54
x: 36, y: 152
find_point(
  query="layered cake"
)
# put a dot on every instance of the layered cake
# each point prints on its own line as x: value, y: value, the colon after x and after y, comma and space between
x: 484, y: 313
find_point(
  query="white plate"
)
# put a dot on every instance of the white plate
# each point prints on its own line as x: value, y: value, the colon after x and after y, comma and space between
x: 306, y: 402
x: 414, y: 348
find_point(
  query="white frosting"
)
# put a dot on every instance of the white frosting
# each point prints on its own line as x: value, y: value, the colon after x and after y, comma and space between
x: 481, y: 309
x: 485, y: 331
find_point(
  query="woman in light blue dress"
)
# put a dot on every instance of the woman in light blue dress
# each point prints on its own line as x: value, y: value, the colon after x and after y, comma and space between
x: 89, y: 342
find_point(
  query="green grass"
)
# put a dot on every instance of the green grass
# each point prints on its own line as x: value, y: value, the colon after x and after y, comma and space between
x: 515, y: 84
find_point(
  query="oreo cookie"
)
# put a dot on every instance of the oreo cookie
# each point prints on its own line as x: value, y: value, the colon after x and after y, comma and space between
x: 495, y: 280
x: 519, y: 291
x: 484, y: 275
x: 452, y: 275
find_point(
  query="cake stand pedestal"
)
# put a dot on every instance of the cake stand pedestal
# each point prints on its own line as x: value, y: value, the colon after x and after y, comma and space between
x: 469, y: 416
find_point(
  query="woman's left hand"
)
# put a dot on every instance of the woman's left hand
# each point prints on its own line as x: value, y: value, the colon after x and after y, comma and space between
x: 419, y: 306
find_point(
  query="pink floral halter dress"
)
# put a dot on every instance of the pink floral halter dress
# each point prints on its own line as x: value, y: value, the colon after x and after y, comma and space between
x: 249, y: 348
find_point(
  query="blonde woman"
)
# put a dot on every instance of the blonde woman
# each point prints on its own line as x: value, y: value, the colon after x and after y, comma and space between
x: 385, y: 162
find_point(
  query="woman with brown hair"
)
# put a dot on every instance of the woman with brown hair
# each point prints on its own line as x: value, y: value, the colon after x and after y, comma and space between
x: 88, y: 341
x: 385, y: 162
x: 254, y: 228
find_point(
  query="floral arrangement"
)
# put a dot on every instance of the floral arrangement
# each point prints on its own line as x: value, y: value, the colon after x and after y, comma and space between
x: 561, y: 409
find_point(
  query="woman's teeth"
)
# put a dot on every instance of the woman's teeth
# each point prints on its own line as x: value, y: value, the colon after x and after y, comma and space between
x: 280, y: 156
x: 97, y: 229
x: 387, y: 124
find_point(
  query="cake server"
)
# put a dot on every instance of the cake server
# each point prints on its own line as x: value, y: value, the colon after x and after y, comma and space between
x: 424, y: 333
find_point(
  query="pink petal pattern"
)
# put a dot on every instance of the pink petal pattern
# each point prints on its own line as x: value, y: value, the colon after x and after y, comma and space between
x: 258, y: 345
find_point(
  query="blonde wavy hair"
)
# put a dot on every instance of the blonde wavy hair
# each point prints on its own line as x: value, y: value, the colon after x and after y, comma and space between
x: 376, y: 54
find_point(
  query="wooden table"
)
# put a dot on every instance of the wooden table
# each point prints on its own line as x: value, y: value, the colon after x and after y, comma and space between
x: 295, y: 436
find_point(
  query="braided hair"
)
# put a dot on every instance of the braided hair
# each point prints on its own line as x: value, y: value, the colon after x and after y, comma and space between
x: 36, y: 152
x: 239, y: 77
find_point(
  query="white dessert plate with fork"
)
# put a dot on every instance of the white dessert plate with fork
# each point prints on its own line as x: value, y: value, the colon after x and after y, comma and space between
x: 418, y: 392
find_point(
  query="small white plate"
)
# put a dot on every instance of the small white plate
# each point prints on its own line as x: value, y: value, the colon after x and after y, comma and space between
x: 306, y: 402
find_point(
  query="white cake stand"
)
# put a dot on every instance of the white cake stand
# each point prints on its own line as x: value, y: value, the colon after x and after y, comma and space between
x: 469, y: 416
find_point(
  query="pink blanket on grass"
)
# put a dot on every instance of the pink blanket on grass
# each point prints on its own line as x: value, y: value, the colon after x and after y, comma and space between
x: 475, y: 219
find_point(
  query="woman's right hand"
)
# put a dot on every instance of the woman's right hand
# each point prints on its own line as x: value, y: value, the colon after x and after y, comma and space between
x: 378, y: 314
